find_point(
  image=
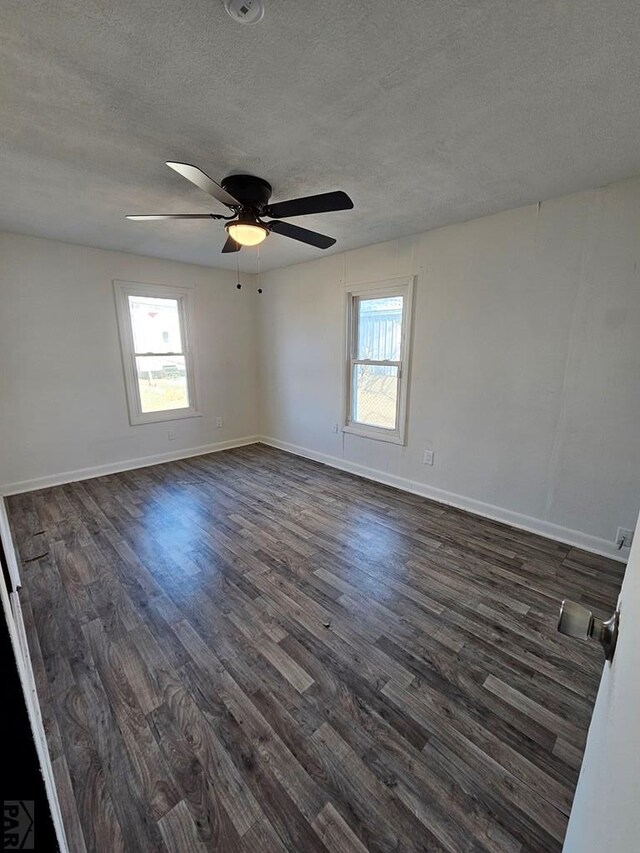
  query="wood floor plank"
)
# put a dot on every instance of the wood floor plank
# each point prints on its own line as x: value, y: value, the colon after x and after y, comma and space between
x: 276, y: 656
x: 179, y: 831
x: 466, y: 734
x: 550, y: 720
x: 335, y: 832
x: 382, y: 819
x: 200, y: 792
x: 252, y: 651
x: 90, y: 779
x: 570, y: 754
x: 235, y: 796
x: 68, y: 805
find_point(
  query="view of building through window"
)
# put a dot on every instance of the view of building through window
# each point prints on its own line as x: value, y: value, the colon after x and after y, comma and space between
x: 160, y: 361
x: 379, y: 339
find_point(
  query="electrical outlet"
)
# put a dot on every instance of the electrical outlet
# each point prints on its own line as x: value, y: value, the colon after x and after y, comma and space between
x: 427, y: 458
x: 335, y: 427
x: 624, y: 538
x: 171, y: 435
x: 218, y: 423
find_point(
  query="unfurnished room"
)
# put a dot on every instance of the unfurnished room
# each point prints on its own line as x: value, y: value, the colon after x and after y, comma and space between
x: 320, y: 426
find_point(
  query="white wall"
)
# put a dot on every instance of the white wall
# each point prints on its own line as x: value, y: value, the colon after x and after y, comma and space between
x: 62, y: 395
x: 526, y: 360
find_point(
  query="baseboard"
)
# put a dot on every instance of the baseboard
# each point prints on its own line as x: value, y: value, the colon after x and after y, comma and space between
x: 566, y: 535
x: 125, y: 465
x: 577, y: 538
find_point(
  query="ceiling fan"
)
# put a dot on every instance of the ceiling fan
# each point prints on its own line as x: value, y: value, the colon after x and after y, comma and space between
x: 248, y: 198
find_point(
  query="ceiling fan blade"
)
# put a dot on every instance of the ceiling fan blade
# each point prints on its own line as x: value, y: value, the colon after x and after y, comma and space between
x: 321, y: 241
x: 230, y: 246
x: 148, y: 216
x: 198, y: 177
x: 323, y: 203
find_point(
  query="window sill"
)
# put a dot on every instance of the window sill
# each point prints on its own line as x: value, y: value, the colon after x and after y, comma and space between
x: 375, y: 434
x: 161, y: 417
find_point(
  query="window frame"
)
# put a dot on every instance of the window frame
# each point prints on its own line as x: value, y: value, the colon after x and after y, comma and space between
x: 186, y: 314
x: 377, y: 290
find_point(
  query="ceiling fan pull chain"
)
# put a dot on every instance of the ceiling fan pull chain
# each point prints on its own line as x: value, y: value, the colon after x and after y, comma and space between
x: 258, y: 255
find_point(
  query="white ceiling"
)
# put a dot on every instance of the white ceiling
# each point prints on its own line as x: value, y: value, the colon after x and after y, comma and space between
x: 424, y: 112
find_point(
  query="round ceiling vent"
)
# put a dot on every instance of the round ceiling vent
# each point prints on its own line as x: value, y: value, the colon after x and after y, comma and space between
x: 245, y: 11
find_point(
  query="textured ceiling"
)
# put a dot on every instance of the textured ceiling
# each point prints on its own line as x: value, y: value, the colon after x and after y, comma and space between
x: 425, y: 112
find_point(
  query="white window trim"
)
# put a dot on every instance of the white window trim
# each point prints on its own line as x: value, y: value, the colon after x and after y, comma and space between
x: 184, y: 295
x: 389, y: 287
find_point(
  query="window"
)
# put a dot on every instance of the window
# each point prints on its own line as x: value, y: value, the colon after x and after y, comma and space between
x: 157, y: 351
x: 378, y: 324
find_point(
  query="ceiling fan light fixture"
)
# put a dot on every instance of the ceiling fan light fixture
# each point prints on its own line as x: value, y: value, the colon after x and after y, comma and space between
x: 247, y: 233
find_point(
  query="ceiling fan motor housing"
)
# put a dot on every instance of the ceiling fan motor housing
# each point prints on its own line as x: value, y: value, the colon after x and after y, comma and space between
x: 253, y: 193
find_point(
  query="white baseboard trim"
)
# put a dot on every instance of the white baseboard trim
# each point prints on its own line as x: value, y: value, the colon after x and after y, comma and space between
x: 566, y: 535
x: 523, y: 522
x: 7, y: 489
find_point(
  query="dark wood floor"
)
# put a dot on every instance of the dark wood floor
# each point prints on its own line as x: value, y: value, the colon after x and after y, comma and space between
x: 251, y: 652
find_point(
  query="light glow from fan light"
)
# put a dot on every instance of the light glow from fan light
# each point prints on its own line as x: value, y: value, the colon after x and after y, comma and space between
x: 246, y: 233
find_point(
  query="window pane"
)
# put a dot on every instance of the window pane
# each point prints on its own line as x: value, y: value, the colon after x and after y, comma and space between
x: 380, y: 328
x: 162, y: 382
x: 375, y: 395
x: 155, y: 323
